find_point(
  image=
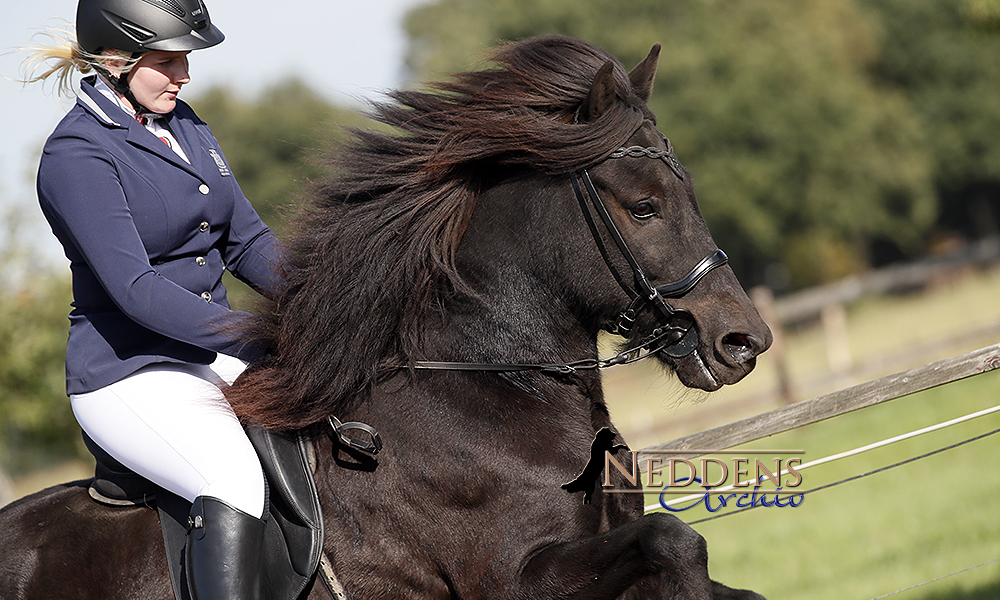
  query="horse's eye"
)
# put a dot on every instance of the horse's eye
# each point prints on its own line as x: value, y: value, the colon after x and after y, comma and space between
x: 643, y: 210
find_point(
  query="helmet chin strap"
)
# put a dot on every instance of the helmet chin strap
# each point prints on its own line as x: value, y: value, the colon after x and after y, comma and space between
x: 119, y: 84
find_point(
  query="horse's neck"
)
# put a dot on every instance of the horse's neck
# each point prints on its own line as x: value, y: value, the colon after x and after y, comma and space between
x: 509, y: 256
x: 520, y: 313
x: 513, y: 320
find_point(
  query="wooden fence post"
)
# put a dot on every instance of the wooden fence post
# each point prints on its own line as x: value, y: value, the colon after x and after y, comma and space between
x: 763, y: 299
x: 838, y: 348
x: 6, y: 489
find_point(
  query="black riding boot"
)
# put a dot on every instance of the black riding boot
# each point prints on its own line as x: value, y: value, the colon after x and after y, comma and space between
x: 224, y: 552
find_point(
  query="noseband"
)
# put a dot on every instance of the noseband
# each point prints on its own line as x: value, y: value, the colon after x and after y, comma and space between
x: 678, y: 334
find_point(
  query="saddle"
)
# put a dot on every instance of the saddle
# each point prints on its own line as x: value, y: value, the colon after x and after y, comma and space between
x: 293, y: 537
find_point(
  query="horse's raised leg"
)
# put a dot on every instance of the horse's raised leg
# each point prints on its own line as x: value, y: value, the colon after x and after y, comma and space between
x: 657, y: 548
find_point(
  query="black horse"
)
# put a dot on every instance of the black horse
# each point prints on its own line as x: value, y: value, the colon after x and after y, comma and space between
x: 449, y: 291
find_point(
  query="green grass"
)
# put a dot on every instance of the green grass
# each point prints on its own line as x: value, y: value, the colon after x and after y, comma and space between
x: 885, y: 532
x: 882, y: 533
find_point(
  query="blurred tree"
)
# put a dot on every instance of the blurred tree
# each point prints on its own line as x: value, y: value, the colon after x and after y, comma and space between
x: 983, y: 13
x: 36, y: 423
x: 943, y: 56
x: 770, y: 104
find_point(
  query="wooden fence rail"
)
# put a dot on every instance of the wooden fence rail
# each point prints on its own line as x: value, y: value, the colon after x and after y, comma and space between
x: 828, y: 303
x: 833, y: 404
x: 809, y: 304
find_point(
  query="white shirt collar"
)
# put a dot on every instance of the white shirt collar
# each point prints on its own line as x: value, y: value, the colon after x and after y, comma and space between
x: 102, y: 86
x: 155, y: 125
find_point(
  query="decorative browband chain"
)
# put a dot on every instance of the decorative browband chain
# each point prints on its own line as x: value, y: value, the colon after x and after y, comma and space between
x: 666, y: 156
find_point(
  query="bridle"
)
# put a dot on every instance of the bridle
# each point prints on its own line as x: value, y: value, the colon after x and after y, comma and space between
x: 680, y: 334
x: 677, y: 336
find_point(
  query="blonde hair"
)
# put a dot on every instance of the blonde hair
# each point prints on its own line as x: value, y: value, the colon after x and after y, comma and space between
x: 62, y: 57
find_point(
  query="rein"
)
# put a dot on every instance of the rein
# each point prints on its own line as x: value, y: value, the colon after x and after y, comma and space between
x: 677, y: 337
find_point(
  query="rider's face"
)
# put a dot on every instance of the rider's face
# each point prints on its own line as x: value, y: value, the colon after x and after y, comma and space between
x: 157, y: 78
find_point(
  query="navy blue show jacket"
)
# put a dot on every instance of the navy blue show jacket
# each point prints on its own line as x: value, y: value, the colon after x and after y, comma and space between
x: 148, y: 237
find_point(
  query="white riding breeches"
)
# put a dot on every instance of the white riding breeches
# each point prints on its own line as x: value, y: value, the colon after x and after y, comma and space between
x: 171, y: 424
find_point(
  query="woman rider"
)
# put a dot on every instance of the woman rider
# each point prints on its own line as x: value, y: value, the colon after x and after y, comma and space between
x: 139, y: 193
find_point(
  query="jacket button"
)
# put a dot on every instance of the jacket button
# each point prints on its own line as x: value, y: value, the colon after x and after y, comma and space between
x: 201, y: 261
x: 207, y: 296
x: 203, y: 189
x: 203, y: 227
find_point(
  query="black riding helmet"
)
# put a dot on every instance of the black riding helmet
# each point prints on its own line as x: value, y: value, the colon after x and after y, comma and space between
x: 143, y: 25
x: 139, y: 26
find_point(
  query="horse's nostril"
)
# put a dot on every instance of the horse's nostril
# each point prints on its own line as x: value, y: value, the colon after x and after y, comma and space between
x: 740, y: 346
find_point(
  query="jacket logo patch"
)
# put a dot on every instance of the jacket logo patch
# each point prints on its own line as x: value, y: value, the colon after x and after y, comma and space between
x: 223, y: 167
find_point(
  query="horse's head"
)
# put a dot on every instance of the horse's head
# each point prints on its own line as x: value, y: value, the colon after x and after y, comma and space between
x: 664, y: 256
x: 471, y: 198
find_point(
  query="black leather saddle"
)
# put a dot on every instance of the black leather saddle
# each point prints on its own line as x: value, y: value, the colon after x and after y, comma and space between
x: 294, y: 525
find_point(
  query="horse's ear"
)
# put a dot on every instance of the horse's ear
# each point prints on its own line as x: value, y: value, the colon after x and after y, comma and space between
x: 601, y: 94
x: 643, y: 73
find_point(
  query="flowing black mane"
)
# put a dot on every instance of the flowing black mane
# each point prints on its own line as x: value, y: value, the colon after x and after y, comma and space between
x: 375, y: 250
